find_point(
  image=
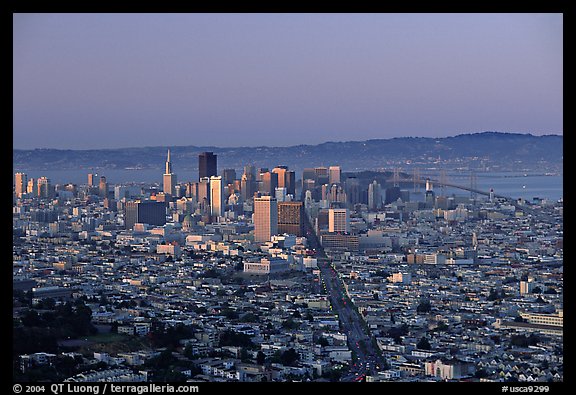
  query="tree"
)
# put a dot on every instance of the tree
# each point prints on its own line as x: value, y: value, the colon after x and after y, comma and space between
x: 290, y: 324
x: 260, y: 358
x: 423, y: 344
x: 424, y: 307
x: 289, y: 357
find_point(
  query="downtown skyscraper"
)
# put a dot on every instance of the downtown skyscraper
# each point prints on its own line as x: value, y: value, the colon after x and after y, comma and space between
x: 265, y: 218
x: 169, y: 178
x: 217, y: 200
x: 207, y: 165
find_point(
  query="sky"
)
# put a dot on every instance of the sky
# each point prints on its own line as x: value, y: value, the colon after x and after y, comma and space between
x: 89, y: 81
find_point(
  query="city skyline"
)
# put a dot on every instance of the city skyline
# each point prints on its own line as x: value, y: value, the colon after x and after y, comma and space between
x: 321, y: 197
x: 361, y: 288
x: 281, y: 79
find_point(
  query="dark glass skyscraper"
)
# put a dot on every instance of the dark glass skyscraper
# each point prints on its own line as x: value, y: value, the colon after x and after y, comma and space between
x: 144, y: 211
x: 291, y: 218
x: 207, y: 165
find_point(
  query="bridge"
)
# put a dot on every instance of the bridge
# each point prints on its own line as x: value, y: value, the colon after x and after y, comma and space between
x: 452, y: 185
x: 541, y: 216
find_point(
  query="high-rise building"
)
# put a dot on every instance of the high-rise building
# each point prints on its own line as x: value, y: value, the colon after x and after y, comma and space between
x: 338, y: 221
x: 352, y: 187
x: 217, y: 200
x: 144, y: 211
x: 374, y: 196
x: 291, y: 218
x: 334, y: 174
x: 393, y: 194
x: 30, y: 186
x: 337, y: 194
x: 268, y: 183
x: 207, y: 165
x: 309, y: 174
x: 204, y: 190
x: 92, y: 179
x: 321, y: 175
x: 20, y: 184
x: 249, y: 169
x: 247, y: 188
x: 286, y: 179
x: 44, y: 187
x: 169, y: 178
x: 103, y: 187
x: 228, y: 176
x: 265, y: 218
x: 280, y: 194
x: 290, y: 182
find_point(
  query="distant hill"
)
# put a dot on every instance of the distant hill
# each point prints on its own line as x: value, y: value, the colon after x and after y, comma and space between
x: 486, y: 147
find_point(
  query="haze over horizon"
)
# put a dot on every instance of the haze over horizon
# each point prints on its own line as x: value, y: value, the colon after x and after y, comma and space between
x: 98, y: 81
x: 287, y: 145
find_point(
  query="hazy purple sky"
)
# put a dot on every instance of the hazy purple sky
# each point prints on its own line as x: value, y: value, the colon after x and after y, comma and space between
x: 118, y: 80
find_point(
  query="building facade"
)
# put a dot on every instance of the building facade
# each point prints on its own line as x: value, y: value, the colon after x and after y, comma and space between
x: 291, y: 218
x: 265, y: 218
x: 207, y: 165
x: 144, y: 211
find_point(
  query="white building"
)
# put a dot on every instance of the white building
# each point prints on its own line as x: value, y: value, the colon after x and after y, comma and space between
x: 266, y: 266
x: 338, y: 221
x: 217, y: 200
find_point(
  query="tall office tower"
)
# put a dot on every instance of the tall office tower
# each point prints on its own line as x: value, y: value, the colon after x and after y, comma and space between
x: 204, y: 190
x: 338, y: 221
x: 169, y: 178
x: 286, y: 179
x: 280, y: 172
x: 251, y: 170
x: 374, y: 196
x: 280, y: 194
x: 265, y: 218
x: 290, y: 182
x: 103, y: 187
x: 337, y: 194
x: 309, y: 174
x: 393, y: 194
x: 325, y: 191
x: 228, y: 176
x: 334, y: 174
x: 321, y: 175
x: 268, y: 183
x: 291, y: 218
x: 144, y: 211
x: 20, y: 184
x: 308, y: 185
x: 430, y: 198
x: 207, y: 165
x: 308, y: 200
x: 247, y: 186
x: 352, y: 187
x: 217, y: 200
x: 30, y: 186
x: 92, y: 179
x: 44, y: 187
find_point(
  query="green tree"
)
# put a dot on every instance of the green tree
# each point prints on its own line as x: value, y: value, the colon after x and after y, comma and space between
x: 424, y: 307
x: 289, y: 357
x: 423, y: 344
x: 260, y: 358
